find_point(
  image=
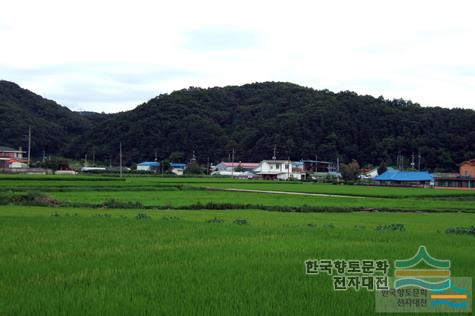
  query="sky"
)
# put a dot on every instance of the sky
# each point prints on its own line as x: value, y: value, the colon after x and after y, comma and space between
x: 110, y: 56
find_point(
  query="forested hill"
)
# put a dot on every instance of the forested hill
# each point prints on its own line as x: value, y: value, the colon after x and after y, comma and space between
x: 53, y: 125
x: 253, y: 118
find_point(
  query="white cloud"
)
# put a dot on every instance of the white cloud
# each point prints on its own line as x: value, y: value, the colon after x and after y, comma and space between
x: 113, y: 55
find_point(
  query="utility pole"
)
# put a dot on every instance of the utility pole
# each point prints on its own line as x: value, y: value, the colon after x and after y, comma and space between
x: 120, y: 158
x: 207, y: 166
x: 316, y: 163
x: 85, y: 160
x: 93, y: 156
x: 419, y: 162
x: 275, y: 153
x: 232, y: 165
x: 337, y: 169
x: 413, y: 164
x: 44, y: 156
x: 288, y: 168
x: 29, y: 145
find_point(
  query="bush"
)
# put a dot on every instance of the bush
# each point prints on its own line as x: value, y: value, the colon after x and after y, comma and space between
x: 34, y: 198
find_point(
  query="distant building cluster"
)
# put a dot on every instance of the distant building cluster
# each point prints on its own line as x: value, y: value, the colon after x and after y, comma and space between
x: 276, y: 169
x: 175, y: 167
x: 12, y: 160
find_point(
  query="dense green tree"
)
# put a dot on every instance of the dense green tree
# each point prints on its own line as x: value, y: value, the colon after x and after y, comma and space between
x: 351, y: 171
x: 382, y: 168
x: 193, y: 168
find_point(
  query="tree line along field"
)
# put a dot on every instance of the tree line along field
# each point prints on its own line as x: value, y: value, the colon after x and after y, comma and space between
x: 91, y: 258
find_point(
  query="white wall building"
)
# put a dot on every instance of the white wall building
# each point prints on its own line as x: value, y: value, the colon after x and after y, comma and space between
x: 276, y: 170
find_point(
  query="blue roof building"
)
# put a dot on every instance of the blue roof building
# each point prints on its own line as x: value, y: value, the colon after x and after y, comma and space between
x: 411, y: 178
x: 148, y: 165
x: 178, y: 165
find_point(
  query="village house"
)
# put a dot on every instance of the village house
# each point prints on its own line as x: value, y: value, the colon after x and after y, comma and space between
x: 396, y: 177
x: 235, y: 166
x: 148, y: 166
x: 277, y: 170
x: 12, y: 158
x: 177, y: 168
x: 464, y: 179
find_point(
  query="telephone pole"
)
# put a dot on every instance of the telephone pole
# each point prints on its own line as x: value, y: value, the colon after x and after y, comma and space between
x: 316, y: 163
x: 275, y: 153
x: 288, y: 169
x: 29, y: 145
x: 207, y: 166
x: 232, y: 165
x: 120, y: 158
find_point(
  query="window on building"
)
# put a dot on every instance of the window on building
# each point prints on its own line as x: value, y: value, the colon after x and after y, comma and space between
x: 465, y: 173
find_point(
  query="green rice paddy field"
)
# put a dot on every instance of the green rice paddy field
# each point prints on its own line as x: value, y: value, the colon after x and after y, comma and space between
x: 64, y: 250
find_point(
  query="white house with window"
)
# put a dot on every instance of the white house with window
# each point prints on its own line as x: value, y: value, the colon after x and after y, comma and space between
x: 276, y: 170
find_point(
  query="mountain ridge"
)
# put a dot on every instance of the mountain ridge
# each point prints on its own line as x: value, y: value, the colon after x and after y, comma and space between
x: 302, y: 122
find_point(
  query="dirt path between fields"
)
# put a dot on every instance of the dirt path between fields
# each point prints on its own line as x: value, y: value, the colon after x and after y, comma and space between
x: 286, y: 193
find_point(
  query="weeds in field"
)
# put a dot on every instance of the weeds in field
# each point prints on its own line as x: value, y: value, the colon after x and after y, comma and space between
x: 142, y: 216
x: 216, y: 220
x: 391, y: 227
x: 103, y: 215
x: 461, y: 230
x: 240, y: 221
x: 328, y: 226
x: 120, y: 204
x: 359, y: 227
x: 32, y: 198
x: 312, y: 225
x: 170, y: 218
